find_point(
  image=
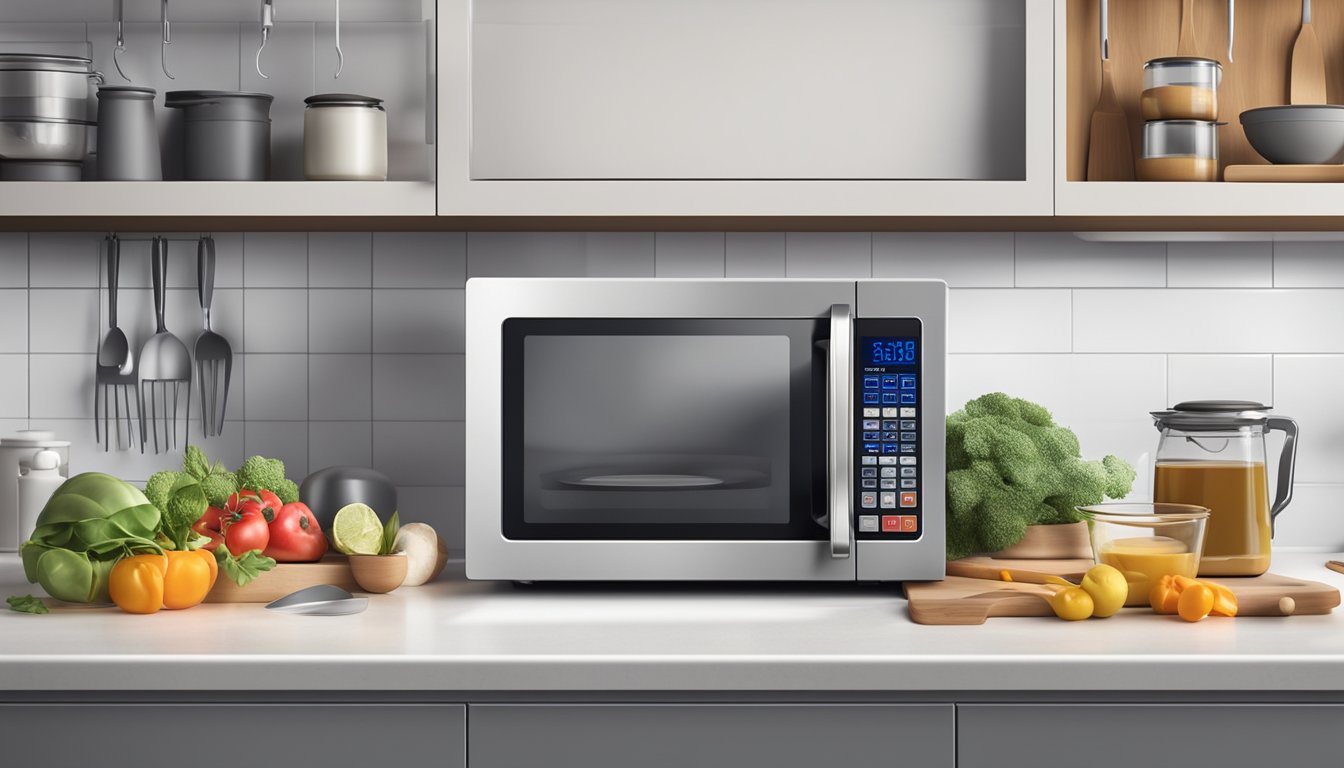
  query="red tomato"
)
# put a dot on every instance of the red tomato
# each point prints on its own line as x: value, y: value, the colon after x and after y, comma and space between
x: 295, y: 535
x: 208, y: 526
x: 266, y: 502
x: 245, y: 530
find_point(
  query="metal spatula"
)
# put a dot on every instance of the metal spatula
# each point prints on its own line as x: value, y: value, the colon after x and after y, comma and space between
x: 165, y: 370
x: 213, y: 353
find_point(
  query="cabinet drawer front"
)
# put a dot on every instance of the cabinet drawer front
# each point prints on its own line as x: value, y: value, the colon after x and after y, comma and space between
x: 174, y: 735
x: 675, y: 736
x: 1129, y: 735
x: 744, y: 89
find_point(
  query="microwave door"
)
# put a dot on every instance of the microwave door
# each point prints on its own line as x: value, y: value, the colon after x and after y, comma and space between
x: 839, y: 423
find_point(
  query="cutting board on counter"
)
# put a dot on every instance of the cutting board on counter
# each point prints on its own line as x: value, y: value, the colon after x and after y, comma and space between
x: 961, y: 600
x: 285, y: 578
x: 1284, y: 173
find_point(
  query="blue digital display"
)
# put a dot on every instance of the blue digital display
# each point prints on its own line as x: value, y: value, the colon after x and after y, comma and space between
x: 889, y: 351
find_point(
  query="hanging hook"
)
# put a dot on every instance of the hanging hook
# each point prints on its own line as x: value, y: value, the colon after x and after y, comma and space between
x: 267, y: 22
x: 121, y: 39
x: 167, y: 41
x: 340, y: 55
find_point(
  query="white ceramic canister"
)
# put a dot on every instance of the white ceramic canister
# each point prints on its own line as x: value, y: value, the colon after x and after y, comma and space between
x: 35, y: 488
x: 16, y: 453
x: 344, y: 138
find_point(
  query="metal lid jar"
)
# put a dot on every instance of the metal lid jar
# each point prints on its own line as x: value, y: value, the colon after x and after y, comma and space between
x: 1179, y: 150
x: 1180, y: 88
x: 344, y: 138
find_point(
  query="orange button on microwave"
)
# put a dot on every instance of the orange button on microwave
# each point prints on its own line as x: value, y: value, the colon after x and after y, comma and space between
x: 909, y: 523
x: 909, y: 499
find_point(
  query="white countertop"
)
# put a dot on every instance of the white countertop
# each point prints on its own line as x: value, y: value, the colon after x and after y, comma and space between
x: 464, y: 636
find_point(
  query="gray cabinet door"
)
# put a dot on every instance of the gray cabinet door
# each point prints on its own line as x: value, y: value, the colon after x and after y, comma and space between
x: 230, y: 735
x: 1129, y: 735
x: 710, y: 736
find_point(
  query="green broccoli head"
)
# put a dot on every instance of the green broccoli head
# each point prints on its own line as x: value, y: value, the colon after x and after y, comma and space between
x: 1009, y: 466
x: 262, y: 474
x: 288, y: 491
x: 186, y: 504
x: 219, y: 487
x: 159, y: 489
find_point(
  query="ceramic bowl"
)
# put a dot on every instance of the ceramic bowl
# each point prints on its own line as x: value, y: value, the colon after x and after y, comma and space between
x: 378, y: 574
x: 1302, y: 133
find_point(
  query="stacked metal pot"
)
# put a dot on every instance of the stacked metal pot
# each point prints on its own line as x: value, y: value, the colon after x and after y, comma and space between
x: 45, y: 116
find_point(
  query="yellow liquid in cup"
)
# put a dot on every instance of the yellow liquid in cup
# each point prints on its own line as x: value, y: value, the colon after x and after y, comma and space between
x: 1146, y: 560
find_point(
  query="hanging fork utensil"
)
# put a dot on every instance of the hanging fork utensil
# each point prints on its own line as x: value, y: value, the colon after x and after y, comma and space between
x: 114, y: 370
x: 121, y: 39
x: 267, y: 23
x: 212, y: 350
x: 167, y: 41
x: 165, y: 366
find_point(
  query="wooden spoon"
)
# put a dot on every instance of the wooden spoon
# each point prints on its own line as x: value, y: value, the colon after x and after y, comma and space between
x: 1306, y: 79
x: 1186, y: 45
x: 1109, y: 153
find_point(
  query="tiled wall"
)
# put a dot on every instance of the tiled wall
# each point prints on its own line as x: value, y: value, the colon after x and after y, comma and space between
x: 350, y: 345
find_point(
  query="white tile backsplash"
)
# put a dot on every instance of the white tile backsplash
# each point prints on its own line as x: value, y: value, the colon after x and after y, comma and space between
x: 1063, y: 260
x: 354, y: 341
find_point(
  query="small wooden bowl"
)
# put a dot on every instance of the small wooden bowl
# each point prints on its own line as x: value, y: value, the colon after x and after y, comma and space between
x: 378, y: 574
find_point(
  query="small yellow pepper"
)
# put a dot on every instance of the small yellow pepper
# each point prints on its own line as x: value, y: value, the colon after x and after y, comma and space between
x: 136, y: 583
x: 189, y: 577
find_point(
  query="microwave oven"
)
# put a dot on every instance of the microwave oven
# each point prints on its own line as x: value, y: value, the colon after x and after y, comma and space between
x: 691, y: 430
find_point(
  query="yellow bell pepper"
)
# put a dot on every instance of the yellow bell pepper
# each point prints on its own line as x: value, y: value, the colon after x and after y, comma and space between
x: 189, y: 577
x: 136, y: 583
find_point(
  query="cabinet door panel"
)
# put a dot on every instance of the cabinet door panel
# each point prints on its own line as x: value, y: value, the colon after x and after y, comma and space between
x: 176, y: 735
x: 1126, y: 735
x: 675, y: 736
x: 748, y: 89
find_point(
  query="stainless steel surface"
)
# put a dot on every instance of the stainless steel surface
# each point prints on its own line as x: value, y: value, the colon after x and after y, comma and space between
x: 45, y: 62
x: 340, y: 55
x: 43, y: 140
x: 1231, y: 27
x: 839, y: 430
x: 926, y: 558
x: 165, y: 371
x: 114, y: 370
x: 1300, y: 133
x: 1182, y: 70
x: 128, y: 137
x: 491, y: 556
x: 39, y: 87
x: 214, y: 355
x: 1180, y: 138
x: 1105, y: 30
x: 120, y: 11
x: 41, y: 170
x: 327, y: 490
x: 167, y: 40
x: 267, y: 23
x: 321, y: 600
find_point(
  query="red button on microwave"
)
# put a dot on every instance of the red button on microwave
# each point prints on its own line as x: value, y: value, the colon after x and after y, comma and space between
x: 891, y: 523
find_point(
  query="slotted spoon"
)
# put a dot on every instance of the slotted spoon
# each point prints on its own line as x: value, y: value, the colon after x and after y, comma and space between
x: 165, y: 370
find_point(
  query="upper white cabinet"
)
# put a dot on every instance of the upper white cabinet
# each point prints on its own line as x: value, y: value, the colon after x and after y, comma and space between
x: 745, y: 107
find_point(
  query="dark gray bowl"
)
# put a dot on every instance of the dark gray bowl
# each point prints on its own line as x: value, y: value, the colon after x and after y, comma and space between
x: 327, y: 490
x: 1297, y: 134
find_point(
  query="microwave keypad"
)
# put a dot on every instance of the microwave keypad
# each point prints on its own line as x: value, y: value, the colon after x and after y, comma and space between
x: 887, y: 437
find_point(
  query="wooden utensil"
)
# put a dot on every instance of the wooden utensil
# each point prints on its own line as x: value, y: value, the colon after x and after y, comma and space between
x: 1282, y: 173
x: 1185, y: 46
x: 1034, y: 572
x: 1109, y: 153
x: 284, y: 579
x: 1306, y: 78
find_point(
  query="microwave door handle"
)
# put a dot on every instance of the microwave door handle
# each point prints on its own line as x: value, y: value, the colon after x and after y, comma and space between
x: 839, y: 423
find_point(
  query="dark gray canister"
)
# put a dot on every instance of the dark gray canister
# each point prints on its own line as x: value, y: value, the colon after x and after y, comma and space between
x: 327, y: 490
x: 227, y: 134
x: 128, y: 138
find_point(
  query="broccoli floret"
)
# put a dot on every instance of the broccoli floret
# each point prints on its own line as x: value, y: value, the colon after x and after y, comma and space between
x: 288, y: 491
x: 186, y: 504
x: 219, y: 487
x: 262, y: 474
x: 1009, y: 466
x: 159, y: 489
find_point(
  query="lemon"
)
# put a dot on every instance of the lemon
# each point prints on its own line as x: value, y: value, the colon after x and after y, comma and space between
x: 356, y: 530
x: 1072, y: 604
x: 1108, y: 588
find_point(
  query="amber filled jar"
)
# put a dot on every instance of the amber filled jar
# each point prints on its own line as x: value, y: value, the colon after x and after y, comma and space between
x: 1180, y: 88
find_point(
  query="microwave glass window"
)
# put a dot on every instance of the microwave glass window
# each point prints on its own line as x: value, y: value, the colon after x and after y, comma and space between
x: 656, y: 429
x: 689, y: 429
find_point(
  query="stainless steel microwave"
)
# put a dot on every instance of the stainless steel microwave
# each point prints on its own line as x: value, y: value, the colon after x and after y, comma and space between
x: 676, y: 430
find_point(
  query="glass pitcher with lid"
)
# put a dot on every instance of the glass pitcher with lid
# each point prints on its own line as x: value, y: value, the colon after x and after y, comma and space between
x: 1212, y: 453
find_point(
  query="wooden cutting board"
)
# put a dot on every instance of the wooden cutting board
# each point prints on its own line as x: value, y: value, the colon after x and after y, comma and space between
x: 1284, y: 173
x: 960, y: 600
x: 284, y: 579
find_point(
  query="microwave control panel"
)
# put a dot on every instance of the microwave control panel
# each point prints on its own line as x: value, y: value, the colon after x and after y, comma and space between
x: 887, y: 450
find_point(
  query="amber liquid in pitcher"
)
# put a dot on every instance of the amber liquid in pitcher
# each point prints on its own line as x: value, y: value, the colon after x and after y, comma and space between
x: 1236, y: 540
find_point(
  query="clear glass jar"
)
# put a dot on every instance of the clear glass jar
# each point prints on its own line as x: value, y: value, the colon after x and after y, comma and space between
x: 1179, y: 150
x: 1180, y: 88
x: 1212, y: 454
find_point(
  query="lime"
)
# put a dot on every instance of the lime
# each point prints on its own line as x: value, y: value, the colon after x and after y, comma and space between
x: 356, y: 530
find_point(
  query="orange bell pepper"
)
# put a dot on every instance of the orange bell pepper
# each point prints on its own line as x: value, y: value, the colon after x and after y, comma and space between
x: 1224, y: 600
x: 189, y: 577
x: 1165, y: 596
x: 136, y: 583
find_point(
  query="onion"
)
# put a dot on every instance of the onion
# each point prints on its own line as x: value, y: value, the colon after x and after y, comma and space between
x: 421, y: 545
